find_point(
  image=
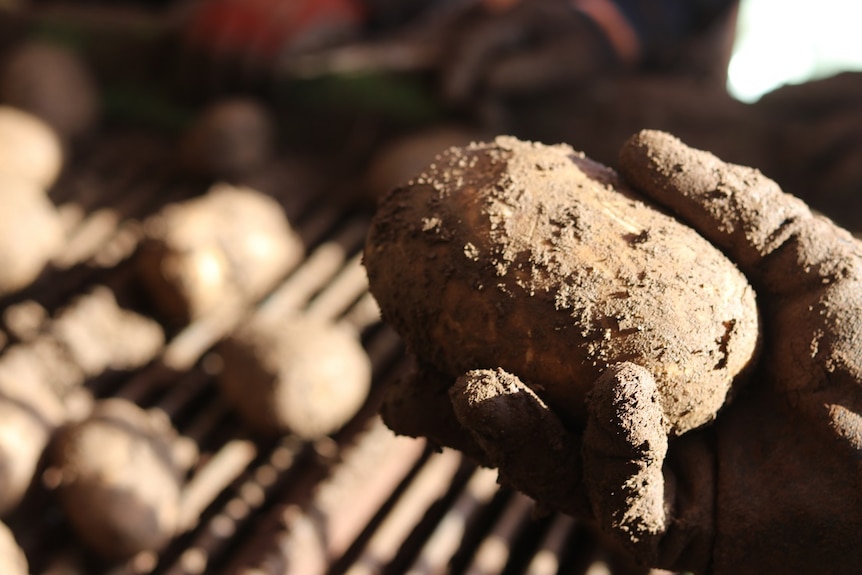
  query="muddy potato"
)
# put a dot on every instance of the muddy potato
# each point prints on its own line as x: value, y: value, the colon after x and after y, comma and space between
x: 31, y: 233
x: 117, y: 480
x: 540, y: 261
x: 29, y: 148
x: 230, y: 245
x: 306, y: 377
x: 12, y: 559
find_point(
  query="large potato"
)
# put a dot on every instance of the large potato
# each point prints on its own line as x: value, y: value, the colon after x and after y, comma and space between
x: 538, y: 260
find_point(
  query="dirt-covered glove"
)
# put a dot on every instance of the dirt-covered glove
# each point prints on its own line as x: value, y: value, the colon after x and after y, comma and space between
x: 788, y: 454
x: 771, y: 486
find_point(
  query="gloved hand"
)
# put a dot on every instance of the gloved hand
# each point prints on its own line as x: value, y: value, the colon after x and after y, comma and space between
x: 507, y: 48
x: 773, y: 485
x: 788, y: 455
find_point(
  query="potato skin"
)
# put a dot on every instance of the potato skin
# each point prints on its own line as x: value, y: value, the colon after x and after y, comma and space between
x: 538, y: 260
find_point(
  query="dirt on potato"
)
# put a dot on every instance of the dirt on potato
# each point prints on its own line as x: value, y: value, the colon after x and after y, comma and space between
x: 540, y: 261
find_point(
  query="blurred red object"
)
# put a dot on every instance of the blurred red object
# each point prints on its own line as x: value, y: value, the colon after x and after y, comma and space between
x: 269, y: 28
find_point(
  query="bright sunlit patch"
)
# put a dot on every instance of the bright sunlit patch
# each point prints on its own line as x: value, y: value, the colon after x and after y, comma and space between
x: 790, y: 41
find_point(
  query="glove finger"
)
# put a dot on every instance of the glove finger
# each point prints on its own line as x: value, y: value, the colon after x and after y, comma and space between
x: 522, y: 437
x: 624, y: 447
x: 772, y: 236
x: 417, y: 405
